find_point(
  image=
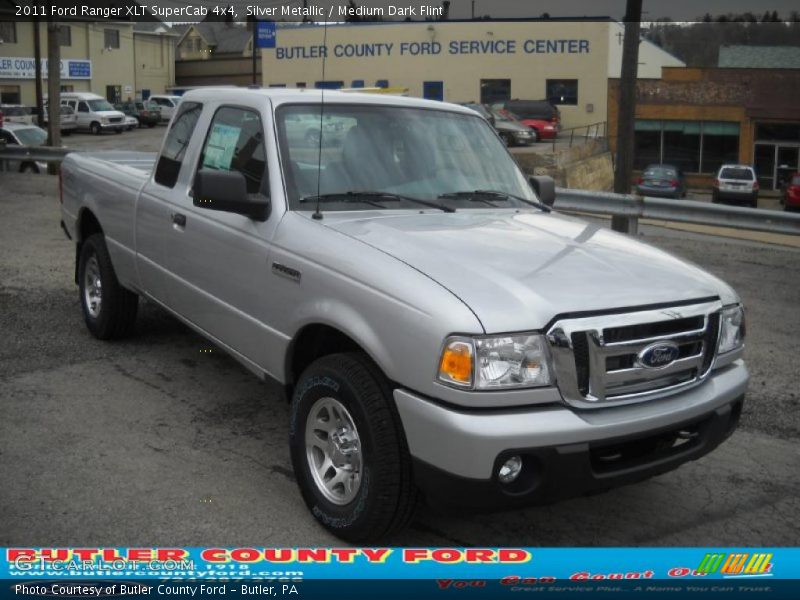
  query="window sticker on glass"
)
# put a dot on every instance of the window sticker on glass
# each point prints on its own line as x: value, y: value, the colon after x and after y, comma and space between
x: 221, y: 146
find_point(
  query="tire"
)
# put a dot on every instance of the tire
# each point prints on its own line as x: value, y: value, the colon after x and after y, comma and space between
x: 535, y: 136
x: 118, y: 130
x: 384, y: 498
x: 507, y: 139
x: 28, y: 168
x: 95, y: 128
x: 113, y: 314
x: 151, y: 125
x: 66, y: 132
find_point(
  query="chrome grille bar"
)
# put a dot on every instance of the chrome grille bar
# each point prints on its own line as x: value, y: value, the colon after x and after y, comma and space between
x: 580, y: 354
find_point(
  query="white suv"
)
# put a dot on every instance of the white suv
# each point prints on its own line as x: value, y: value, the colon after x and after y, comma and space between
x: 736, y: 183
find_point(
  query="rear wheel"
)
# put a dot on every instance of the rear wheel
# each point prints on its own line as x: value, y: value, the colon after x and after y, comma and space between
x: 349, y: 451
x: 108, y: 308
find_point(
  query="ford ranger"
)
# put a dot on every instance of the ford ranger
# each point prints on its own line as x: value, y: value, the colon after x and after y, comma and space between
x: 441, y: 333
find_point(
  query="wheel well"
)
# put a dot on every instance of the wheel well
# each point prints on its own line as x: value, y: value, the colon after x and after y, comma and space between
x: 313, y: 342
x: 87, y: 225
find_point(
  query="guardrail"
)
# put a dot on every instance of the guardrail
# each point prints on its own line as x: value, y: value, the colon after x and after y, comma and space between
x: 46, y: 154
x: 628, y: 206
x: 633, y: 208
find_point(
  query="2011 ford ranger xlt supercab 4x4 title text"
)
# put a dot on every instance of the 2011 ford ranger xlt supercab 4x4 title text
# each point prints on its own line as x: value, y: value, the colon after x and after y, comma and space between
x: 441, y: 334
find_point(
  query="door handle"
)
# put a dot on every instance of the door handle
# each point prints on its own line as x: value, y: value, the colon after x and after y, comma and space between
x: 179, y: 219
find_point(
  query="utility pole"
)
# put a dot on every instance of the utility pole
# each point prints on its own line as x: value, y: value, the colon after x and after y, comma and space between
x: 626, y: 113
x: 53, y: 88
x: 37, y: 59
x: 254, y: 26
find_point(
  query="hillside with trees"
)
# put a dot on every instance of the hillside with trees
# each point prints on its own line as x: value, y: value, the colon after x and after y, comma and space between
x: 698, y: 43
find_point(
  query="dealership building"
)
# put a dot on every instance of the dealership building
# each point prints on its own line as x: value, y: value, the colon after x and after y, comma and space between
x: 113, y: 59
x: 567, y: 60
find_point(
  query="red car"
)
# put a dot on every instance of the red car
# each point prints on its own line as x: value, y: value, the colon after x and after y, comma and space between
x: 791, y: 195
x: 539, y: 115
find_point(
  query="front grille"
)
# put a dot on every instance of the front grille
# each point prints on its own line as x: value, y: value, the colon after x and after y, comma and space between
x: 115, y: 120
x: 608, y: 359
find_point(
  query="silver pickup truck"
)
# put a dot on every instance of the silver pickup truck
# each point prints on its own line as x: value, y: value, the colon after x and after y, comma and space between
x: 440, y: 332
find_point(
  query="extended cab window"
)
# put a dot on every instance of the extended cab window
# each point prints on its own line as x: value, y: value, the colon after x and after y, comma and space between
x: 235, y: 142
x: 178, y: 138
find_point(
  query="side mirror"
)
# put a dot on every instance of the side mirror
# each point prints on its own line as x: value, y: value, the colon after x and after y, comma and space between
x: 545, y: 188
x: 226, y: 191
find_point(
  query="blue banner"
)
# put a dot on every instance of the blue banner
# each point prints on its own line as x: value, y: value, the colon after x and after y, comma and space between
x: 399, y: 572
x: 266, y: 34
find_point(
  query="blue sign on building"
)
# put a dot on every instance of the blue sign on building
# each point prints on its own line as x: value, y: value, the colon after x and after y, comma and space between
x: 80, y: 69
x: 266, y: 33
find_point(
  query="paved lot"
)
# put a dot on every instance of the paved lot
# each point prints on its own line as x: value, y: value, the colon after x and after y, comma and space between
x: 152, y: 441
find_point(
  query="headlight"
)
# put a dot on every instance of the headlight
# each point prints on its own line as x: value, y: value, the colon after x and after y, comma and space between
x: 499, y: 362
x: 732, y: 329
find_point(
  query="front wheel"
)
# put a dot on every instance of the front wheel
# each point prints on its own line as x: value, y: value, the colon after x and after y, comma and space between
x: 95, y: 128
x: 108, y: 308
x: 349, y: 451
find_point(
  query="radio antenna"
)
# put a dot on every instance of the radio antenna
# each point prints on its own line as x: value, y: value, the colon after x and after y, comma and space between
x: 318, y: 215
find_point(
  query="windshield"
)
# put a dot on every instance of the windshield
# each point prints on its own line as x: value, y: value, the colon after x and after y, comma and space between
x: 406, y: 152
x: 739, y: 173
x: 97, y: 105
x: 659, y: 173
x: 31, y: 136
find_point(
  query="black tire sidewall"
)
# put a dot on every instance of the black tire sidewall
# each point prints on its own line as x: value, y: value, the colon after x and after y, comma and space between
x: 357, y: 520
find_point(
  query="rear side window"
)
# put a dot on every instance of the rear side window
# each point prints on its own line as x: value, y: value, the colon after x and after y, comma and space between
x: 178, y: 138
x: 736, y: 173
x: 235, y: 142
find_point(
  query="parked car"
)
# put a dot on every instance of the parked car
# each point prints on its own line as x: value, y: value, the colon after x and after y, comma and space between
x: 791, y: 193
x: 512, y: 131
x: 94, y: 113
x: 69, y: 121
x: 17, y: 113
x: 439, y: 331
x: 21, y: 134
x: 166, y: 104
x: 736, y: 183
x: 662, y: 180
x: 144, y: 116
x: 539, y: 115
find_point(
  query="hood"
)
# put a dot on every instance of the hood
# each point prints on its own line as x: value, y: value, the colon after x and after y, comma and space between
x: 110, y: 113
x: 518, y: 270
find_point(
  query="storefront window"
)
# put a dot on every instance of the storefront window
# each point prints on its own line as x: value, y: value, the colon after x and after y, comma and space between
x: 692, y: 146
x: 778, y: 132
x: 647, y: 149
x: 682, y: 145
x: 720, y: 145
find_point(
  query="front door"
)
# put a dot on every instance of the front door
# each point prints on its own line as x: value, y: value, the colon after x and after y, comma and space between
x: 217, y: 263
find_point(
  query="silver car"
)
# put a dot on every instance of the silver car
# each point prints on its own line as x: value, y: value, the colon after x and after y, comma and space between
x: 16, y: 134
x: 737, y: 184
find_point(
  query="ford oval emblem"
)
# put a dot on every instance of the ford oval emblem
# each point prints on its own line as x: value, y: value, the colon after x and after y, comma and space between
x: 658, y: 356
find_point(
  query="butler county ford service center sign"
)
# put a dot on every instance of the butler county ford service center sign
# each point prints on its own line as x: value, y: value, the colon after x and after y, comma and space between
x: 15, y: 67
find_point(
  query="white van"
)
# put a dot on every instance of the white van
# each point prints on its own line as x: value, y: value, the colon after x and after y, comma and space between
x: 166, y: 103
x: 94, y: 113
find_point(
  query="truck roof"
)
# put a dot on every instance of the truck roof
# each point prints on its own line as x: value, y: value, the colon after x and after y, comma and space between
x: 280, y: 96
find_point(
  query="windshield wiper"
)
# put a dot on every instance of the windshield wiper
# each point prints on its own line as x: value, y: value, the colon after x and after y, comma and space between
x: 371, y: 198
x: 476, y: 195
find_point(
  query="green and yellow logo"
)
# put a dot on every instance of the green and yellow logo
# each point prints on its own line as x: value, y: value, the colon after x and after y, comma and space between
x: 742, y: 563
